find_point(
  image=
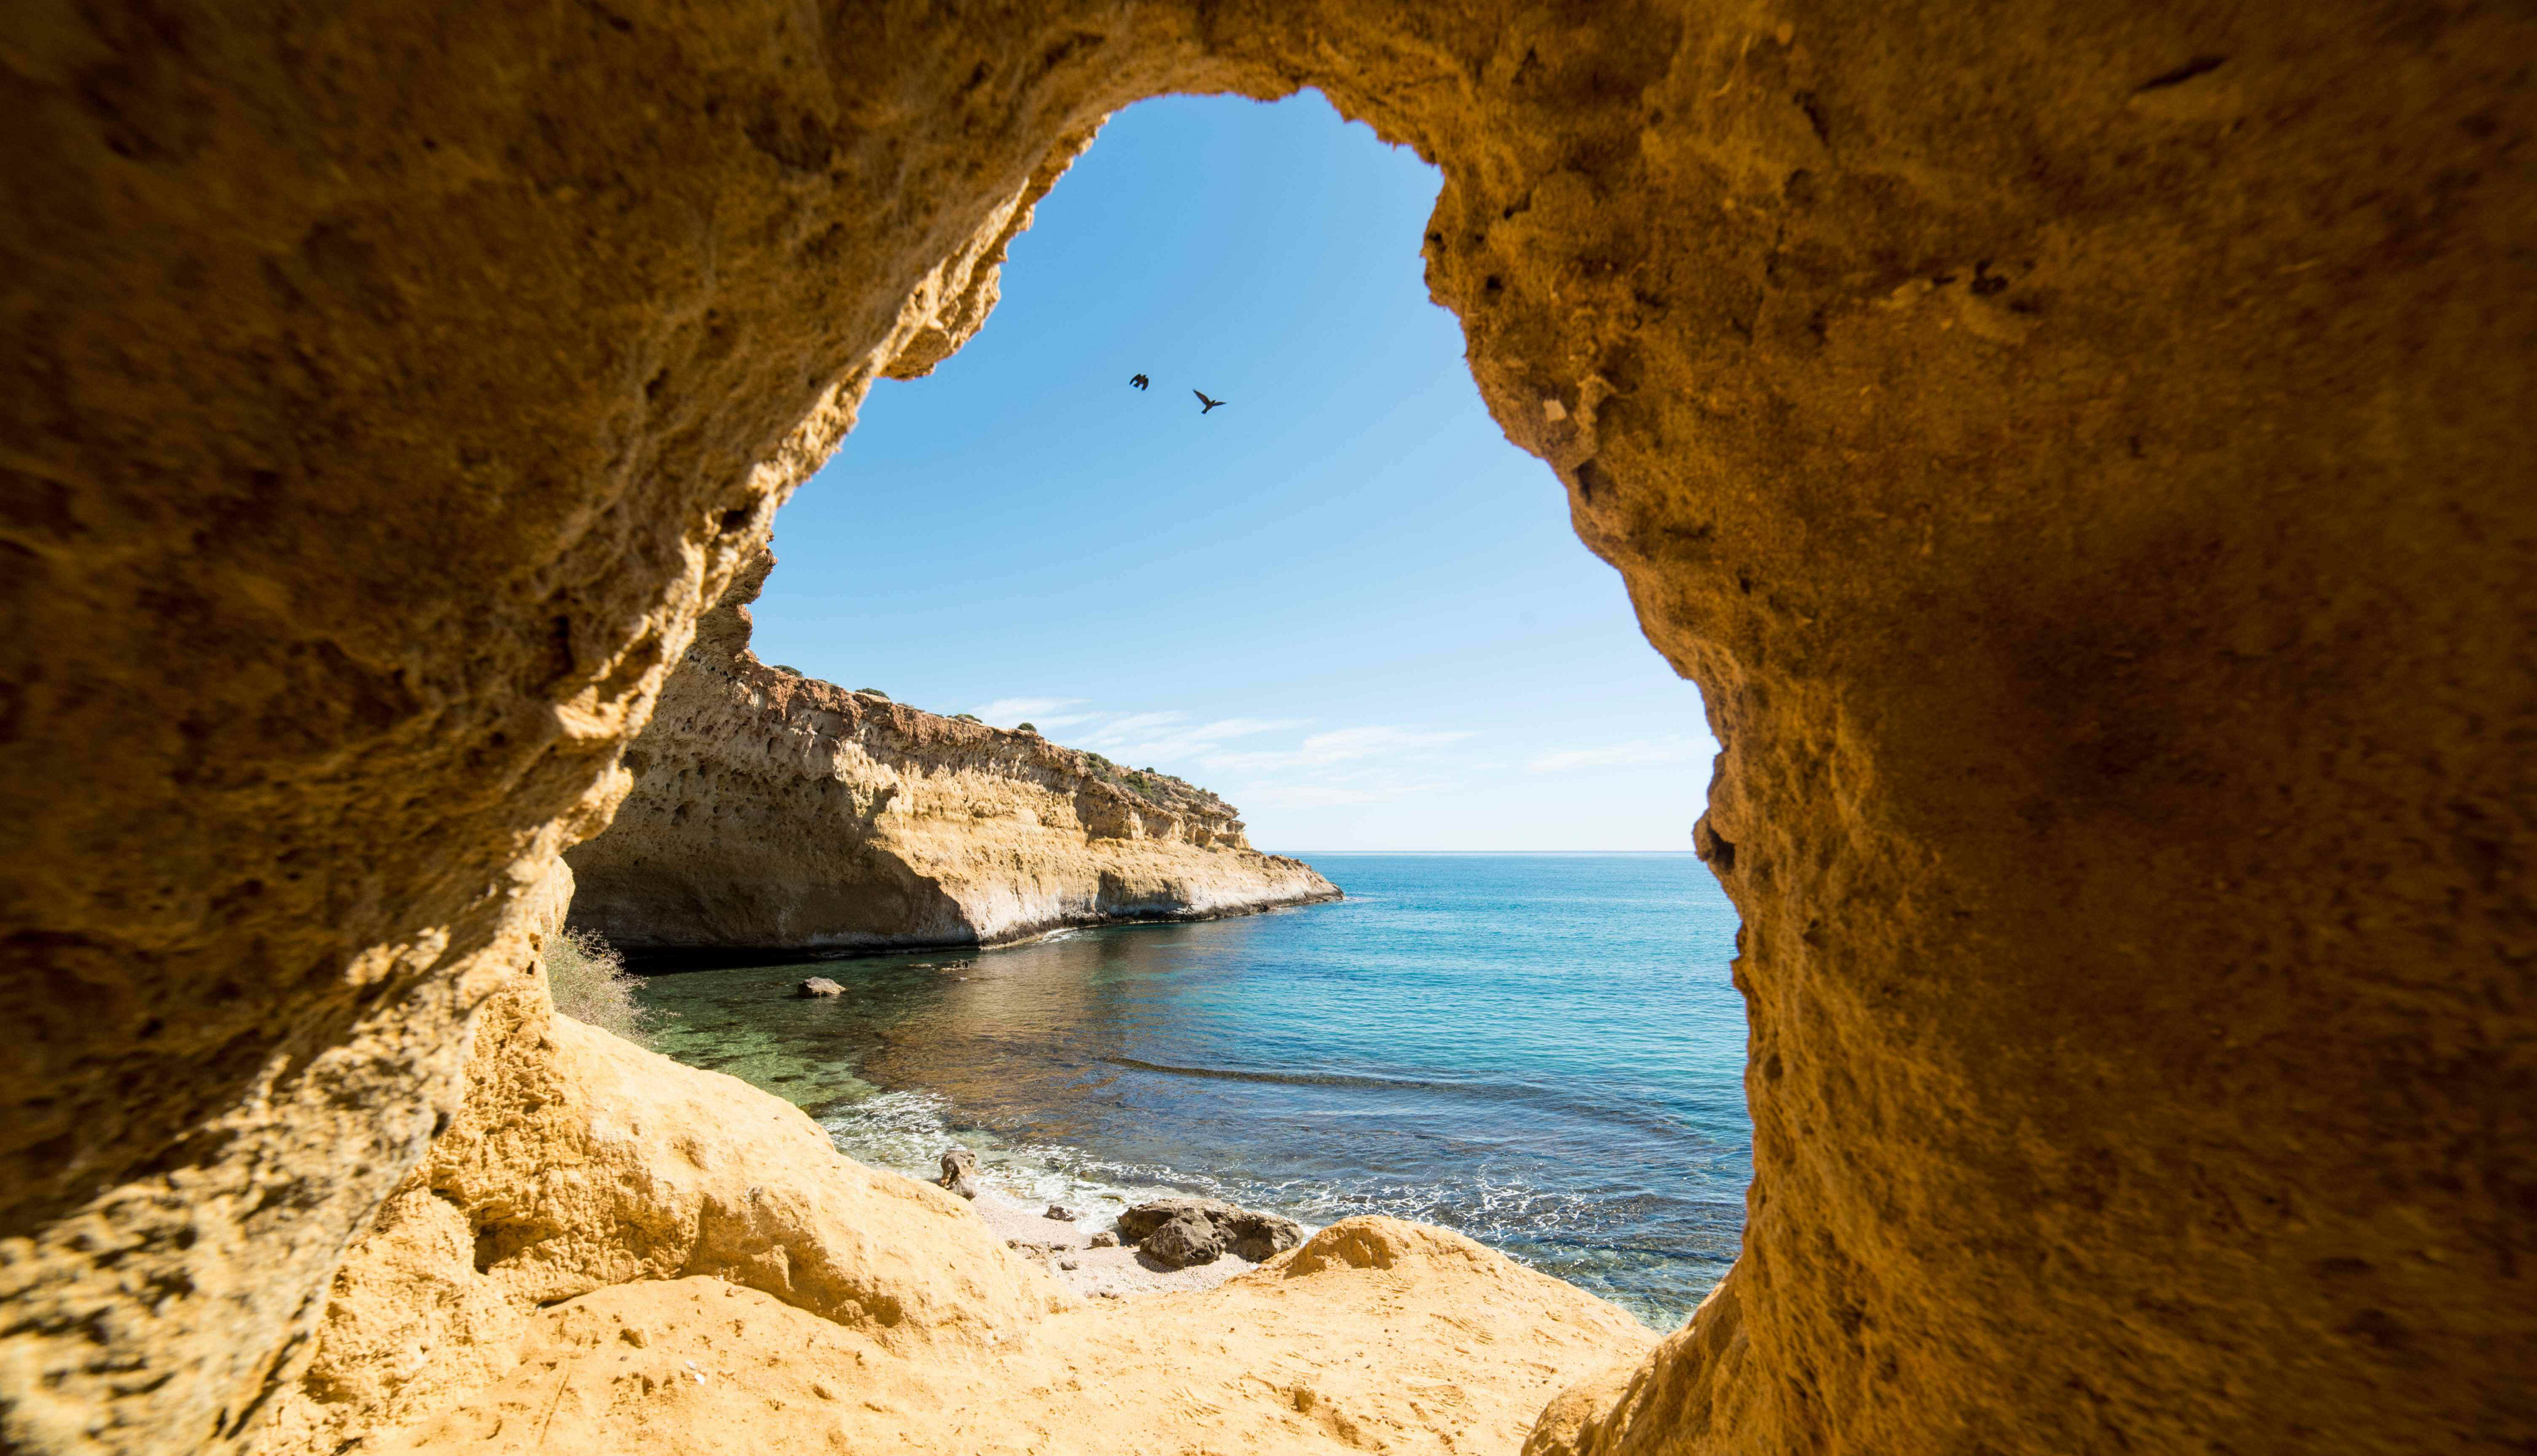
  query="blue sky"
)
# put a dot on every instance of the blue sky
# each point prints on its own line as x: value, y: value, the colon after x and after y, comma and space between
x: 1342, y: 601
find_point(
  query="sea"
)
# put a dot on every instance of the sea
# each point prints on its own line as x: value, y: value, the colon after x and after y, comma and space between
x: 1542, y: 1051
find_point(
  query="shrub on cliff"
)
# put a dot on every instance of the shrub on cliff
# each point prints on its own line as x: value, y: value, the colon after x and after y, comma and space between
x: 965, y: 717
x: 592, y: 985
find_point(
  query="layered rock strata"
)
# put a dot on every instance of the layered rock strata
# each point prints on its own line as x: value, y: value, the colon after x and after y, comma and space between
x: 775, y: 812
x: 2077, y: 446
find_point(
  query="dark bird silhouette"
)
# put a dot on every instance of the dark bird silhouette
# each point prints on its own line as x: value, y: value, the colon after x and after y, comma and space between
x: 1203, y: 402
x: 1141, y: 381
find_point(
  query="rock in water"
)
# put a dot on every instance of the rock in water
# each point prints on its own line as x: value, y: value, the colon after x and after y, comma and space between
x: 1240, y: 1231
x: 1187, y: 1238
x: 1061, y: 1213
x: 961, y: 1173
x: 818, y: 985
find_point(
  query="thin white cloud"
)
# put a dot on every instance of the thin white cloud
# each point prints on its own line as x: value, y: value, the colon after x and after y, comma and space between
x: 1010, y: 711
x: 1153, y: 738
x: 1614, y: 756
x: 1123, y: 727
x: 1363, y: 765
x: 1144, y: 736
x: 1339, y: 745
x: 1376, y: 790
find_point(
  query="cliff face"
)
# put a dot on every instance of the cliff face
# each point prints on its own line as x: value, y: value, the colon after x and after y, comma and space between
x: 773, y: 812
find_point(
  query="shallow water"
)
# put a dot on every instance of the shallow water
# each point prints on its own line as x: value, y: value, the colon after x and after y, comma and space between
x: 1543, y: 1052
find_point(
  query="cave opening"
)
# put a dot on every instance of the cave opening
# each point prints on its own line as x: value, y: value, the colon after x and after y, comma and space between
x: 1340, y: 597
x: 2061, y: 444
x: 1344, y: 602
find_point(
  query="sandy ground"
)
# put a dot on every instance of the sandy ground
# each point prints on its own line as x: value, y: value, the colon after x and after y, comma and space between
x: 1374, y: 1335
x: 1106, y: 1273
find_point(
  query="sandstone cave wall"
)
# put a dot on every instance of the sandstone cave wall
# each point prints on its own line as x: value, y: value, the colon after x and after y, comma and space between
x: 2077, y: 446
x: 775, y: 812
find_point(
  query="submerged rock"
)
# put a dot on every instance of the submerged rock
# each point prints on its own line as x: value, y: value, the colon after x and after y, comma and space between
x: 818, y: 985
x: 1229, y: 1230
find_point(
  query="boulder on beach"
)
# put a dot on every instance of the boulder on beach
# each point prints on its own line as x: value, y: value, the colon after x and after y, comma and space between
x: 1061, y: 1213
x: 818, y: 985
x: 1229, y: 1230
x: 1186, y: 1238
x: 961, y: 1173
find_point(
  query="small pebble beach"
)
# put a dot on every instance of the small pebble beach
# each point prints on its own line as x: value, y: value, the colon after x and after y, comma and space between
x: 1121, y: 1273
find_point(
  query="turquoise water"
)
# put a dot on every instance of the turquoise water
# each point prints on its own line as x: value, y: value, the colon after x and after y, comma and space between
x: 1542, y: 1051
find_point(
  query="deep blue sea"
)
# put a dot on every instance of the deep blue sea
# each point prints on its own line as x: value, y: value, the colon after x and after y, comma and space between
x: 1541, y: 1050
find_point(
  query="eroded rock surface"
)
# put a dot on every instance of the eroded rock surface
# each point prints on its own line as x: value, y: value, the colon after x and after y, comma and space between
x: 660, y: 1236
x: 1195, y: 1231
x: 2076, y: 446
x: 959, y: 1172
x: 579, y: 1161
x: 777, y: 812
x: 1378, y: 1336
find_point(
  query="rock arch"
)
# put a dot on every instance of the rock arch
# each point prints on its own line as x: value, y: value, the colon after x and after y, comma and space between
x: 2081, y: 447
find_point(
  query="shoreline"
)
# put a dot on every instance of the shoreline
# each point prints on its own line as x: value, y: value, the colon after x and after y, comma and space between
x: 668, y: 960
x: 1105, y: 1066
x: 1064, y: 1250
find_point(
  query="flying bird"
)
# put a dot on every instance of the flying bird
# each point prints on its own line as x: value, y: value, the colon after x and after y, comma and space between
x: 1141, y: 381
x: 1203, y: 402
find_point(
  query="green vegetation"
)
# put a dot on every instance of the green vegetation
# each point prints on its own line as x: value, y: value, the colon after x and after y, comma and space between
x: 1149, y: 783
x: 873, y: 693
x: 1026, y: 728
x: 787, y: 668
x: 592, y: 985
x: 965, y: 717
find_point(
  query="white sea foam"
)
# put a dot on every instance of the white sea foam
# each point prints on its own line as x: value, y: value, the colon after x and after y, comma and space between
x: 908, y: 1132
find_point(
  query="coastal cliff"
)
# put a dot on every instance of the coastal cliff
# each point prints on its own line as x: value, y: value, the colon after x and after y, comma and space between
x: 772, y: 811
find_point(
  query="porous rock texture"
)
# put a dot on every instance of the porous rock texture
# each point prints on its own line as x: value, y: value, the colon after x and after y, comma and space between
x: 1217, y: 1227
x: 686, y: 1230
x: 774, y: 812
x: 1375, y: 1336
x: 2079, y: 447
x: 578, y: 1161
